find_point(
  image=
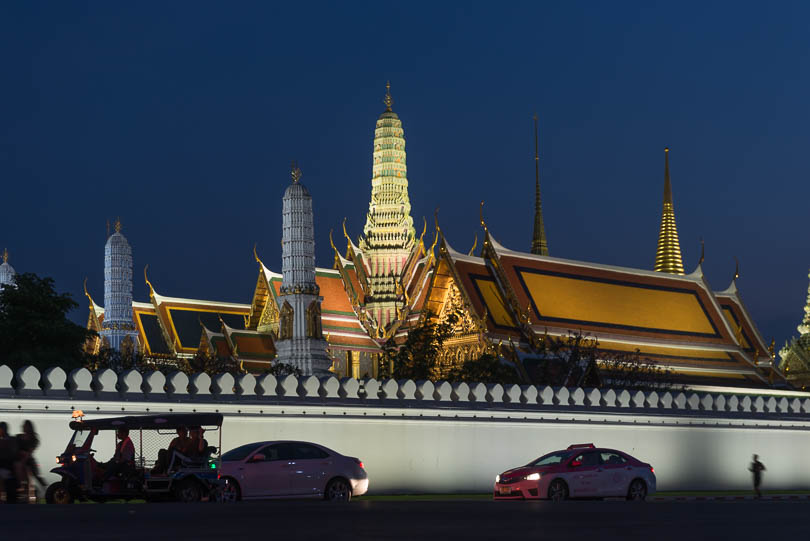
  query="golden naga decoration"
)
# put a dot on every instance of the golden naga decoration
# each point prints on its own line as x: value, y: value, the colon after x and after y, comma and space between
x: 475, y: 243
x: 148, y: 283
x: 424, y: 229
x: 256, y: 255
x: 86, y: 294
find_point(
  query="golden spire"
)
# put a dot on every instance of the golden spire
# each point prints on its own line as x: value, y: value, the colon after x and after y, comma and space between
x: 5, y: 255
x: 388, y: 100
x: 668, y: 256
x: 539, y: 242
x: 295, y: 173
x: 118, y: 225
x: 475, y: 243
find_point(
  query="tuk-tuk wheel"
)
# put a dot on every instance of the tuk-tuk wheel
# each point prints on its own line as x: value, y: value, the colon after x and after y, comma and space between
x: 188, y: 491
x: 59, y: 493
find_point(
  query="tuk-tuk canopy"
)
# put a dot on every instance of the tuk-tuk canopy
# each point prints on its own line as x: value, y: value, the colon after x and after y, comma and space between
x: 150, y: 422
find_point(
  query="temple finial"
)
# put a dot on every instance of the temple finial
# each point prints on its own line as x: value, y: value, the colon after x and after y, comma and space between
x: 539, y: 242
x: 118, y: 225
x: 5, y: 255
x: 702, y: 251
x: 295, y: 173
x: 736, y: 269
x: 388, y: 100
x: 481, y: 216
x: 668, y: 255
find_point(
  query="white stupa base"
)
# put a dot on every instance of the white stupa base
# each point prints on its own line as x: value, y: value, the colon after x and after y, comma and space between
x: 306, y: 354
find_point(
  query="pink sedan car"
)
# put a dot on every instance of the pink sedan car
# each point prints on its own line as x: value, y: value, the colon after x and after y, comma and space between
x: 291, y: 469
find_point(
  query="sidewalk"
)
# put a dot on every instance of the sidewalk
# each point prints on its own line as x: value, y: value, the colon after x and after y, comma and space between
x: 726, y: 497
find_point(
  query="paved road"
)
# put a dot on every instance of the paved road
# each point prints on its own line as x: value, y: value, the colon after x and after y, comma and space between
x: 384, y: 520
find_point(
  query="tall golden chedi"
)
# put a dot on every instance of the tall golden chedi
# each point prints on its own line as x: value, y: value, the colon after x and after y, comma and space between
x: 668, y: 256
x: 389, y: 236
x: 539, y: 242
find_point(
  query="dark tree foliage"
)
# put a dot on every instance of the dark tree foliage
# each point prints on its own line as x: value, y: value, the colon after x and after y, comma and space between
x: 633, y: 372
x: 418, y: 357
x: 34, y: 329
x: 283, y: 369
x: 210, y: 364
x: 576, y: 361
x: 486, y: 369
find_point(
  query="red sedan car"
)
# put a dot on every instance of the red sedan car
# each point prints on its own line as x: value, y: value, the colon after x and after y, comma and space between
x: 581, y: 471
x: 291, y: 469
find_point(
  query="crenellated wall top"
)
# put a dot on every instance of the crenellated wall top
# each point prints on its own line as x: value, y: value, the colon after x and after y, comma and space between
x: 130, y: 385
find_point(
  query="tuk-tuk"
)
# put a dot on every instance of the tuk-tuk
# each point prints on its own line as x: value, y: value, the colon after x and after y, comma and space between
x: 187, y: 480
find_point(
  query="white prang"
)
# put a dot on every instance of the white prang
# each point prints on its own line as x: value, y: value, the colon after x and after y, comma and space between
x: 117, y: 325
x: 7, y: 273
x: 303, y: 345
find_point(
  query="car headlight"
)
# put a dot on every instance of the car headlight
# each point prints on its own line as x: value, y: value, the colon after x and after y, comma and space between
x: 497, y: 478
x: 533, y: 477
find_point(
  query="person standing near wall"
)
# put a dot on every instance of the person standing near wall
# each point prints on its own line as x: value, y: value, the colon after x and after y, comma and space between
x: 757, y: 468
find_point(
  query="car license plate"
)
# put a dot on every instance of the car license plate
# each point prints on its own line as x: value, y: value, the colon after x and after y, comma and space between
x: 505, y: 491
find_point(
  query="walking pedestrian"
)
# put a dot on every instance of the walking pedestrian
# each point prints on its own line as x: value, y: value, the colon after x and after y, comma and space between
x: 27, y: 442
x: 757, y: 468
x: 8, y: 455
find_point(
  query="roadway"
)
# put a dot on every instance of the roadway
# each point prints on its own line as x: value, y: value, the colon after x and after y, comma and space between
x: 409, y: 520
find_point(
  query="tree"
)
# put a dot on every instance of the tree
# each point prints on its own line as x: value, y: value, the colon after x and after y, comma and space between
x: 34, y: 329
x: 418, y: 357
x: 486, y: 369
x: 283, y: 369
x: 577, y: 361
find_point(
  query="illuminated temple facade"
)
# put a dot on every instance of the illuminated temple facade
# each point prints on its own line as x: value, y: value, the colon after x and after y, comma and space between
x: 502, y: 301
x: 796, y: 354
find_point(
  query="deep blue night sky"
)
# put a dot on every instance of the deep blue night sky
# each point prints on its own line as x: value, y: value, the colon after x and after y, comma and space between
x: 183, y: 117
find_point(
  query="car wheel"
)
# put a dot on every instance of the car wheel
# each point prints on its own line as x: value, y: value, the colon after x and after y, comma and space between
x: 338, y: 490
x: 230, y: 491
x: 558, y: 491
x: 637, y: 491
x: 188, y: 491
x: 59, y: 493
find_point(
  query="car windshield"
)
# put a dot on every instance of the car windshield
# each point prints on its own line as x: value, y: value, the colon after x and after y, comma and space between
x: 240, y: 453
x: 550, y: 459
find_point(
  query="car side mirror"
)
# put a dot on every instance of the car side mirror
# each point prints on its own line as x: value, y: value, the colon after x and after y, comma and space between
x: 258, y: 457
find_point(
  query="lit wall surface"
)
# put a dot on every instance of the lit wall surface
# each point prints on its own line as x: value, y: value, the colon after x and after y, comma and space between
x: 457, y: 438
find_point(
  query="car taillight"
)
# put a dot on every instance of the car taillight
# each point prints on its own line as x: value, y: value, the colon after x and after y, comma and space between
x: 359, y: 462
x: 652, y: 470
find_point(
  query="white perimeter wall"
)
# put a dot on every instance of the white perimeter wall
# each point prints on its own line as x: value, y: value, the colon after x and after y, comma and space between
x: 432, y: 450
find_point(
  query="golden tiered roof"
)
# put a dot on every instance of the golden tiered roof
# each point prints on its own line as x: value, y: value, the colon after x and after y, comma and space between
x: 668, y: 256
